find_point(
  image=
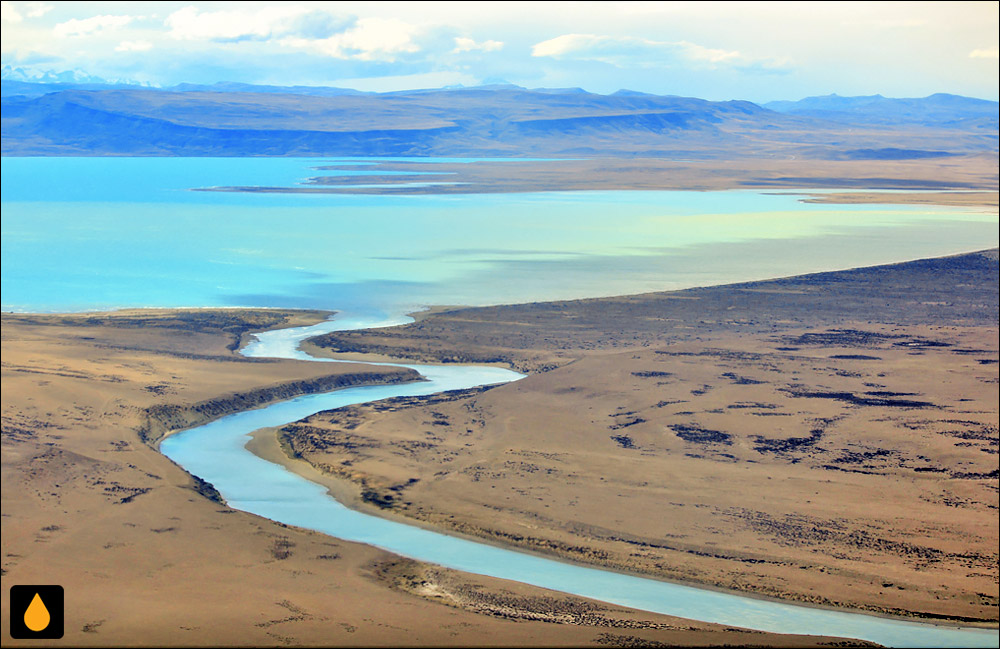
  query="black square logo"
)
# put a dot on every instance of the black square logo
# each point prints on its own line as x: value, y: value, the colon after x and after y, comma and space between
x: 36, y: 612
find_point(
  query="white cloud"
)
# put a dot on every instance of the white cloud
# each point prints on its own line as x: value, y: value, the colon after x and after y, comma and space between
x: 985, y: 53
x: 463, y: 44
x: 408, y: 81
x: 566, y: 44
x: 36, y: 9
x: 698, y: 53
x: 370, y: 39
x: 86, y: 26
x: 134, y: 46
x: 9, y: 13
x: 633, y: 52
x: 265, y: 22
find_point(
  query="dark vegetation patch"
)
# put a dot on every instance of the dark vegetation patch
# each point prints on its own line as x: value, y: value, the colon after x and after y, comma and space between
x: 663, y: 404
x: 921, y: 343
x: 19, y: 428
x: 976, y: 475
x: 619, y: 640
x: 856, y: 357
x: 207, y: 489
x: 798, y: 530
x: 386, y: 498
x: 851, y: 458
x: 987, y: 433
x: 130, y: 493
x: 842, y: 338
x: 281, y: 549
x: 741, y: 380
x: 626, y: 424
x: 698, y: 435
x: 889, y: 393
x: 850, y: 397
x: 789, y: 444
x: 754, y: 404
x: 624, y: 441
x: 652, y: 374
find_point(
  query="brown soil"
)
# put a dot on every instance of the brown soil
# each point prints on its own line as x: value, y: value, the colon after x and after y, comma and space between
x: 829, y: 439
x: 148, y: 555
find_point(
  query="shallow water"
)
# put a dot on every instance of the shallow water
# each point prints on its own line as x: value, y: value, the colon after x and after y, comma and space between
x: 216, y: 452
x: 96, y: 233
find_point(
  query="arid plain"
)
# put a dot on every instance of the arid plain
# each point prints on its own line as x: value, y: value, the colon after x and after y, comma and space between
x: 733, y: 436
x: 148, y: 555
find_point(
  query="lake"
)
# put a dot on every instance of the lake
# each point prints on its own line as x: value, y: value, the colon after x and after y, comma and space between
x: 99, y: 233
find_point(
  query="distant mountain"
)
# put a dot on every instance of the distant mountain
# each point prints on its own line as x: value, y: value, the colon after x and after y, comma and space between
x: 17, y: 81
x: 497, y: 120
x: 229, y: 86
x: 936, y: 110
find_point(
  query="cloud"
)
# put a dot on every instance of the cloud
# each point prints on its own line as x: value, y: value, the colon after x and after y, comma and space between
x: 370, y: 39
x: 86, y: 26
x: 262, y: 23
x: 9, y: 13
x: 298, y: 27
x: 36, y: 9
x: 408, y: 81
x: 463, y: 44
x: 633, y: 52
x: 134, y: 46
x: 985, y: 53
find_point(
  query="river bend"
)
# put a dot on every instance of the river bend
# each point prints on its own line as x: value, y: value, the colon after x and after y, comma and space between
x: 216, y: 453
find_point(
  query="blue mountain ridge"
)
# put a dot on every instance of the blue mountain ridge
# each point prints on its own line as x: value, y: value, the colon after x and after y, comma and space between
x: 500, y: 119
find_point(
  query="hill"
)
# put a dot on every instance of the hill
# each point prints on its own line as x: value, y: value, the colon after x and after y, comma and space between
x: 500, y: 120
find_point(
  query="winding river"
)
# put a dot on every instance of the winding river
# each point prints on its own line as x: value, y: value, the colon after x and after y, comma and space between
x: 216, y: 453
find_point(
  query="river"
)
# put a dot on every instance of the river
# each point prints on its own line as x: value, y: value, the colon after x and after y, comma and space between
x: 216, y: 453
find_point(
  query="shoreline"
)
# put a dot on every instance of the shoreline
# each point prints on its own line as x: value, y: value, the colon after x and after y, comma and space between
x: 960, y: 198
x: 969, y: 181
x: 265, y: 445
x: 433, y: 514
x: 445, y: 309
x: 87, y: 501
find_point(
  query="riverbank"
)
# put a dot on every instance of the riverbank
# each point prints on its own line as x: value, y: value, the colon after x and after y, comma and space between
x: 148, y: 555
x: 729, y: 436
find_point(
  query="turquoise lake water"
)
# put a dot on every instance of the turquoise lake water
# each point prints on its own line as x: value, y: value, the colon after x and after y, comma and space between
x: 97, y: 233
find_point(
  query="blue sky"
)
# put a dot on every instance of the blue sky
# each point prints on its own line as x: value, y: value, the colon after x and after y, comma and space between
x: 741, y: 50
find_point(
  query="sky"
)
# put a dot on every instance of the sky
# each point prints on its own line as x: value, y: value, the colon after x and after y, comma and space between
x: 758, y: 51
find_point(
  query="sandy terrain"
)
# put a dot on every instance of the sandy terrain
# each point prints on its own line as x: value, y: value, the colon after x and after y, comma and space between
x: 149, y: 556
x: 830, y: 439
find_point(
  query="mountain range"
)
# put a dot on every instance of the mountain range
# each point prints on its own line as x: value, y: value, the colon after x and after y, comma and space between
x: 231, y: 119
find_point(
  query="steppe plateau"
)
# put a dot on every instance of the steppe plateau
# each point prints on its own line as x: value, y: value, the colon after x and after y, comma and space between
x: 829, y: 438
x: 149, y: 555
